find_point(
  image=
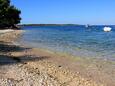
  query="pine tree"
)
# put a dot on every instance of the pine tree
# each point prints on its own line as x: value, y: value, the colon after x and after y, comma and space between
x: 9, y: 15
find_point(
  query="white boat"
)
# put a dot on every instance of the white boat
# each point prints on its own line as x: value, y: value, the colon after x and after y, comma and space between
x: 107, y: 29
x: 87, y: 26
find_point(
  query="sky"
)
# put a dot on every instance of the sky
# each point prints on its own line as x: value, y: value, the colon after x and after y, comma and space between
x: 66, y: 11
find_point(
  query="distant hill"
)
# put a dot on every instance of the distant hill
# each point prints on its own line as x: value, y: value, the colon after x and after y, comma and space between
x: 47, y: 24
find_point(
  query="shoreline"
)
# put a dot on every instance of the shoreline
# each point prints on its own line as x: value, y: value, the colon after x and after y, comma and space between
x: 98, y: 70
x: 53, y: 68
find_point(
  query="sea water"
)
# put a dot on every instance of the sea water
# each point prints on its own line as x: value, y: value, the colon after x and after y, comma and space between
x: 76, y: 40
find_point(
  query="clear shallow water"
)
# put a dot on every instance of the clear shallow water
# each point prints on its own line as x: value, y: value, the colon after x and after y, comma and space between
x: 76, y: 40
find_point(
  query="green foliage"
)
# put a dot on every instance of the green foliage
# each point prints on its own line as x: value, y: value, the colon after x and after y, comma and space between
x: 9, y: 15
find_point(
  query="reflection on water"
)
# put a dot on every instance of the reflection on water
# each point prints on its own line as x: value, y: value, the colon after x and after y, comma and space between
x: 75, y: 40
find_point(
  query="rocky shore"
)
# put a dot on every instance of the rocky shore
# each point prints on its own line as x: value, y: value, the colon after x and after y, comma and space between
x: 21, y: 66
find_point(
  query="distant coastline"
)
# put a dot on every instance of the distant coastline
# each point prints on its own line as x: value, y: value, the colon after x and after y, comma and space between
x: 48, y: 24
x: 59, y: 25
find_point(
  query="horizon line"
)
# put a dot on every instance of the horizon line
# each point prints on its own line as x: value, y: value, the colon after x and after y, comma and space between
x: 60, y: 24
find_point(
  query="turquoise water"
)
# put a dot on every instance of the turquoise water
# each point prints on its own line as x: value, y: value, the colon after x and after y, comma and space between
x: 75, y: 40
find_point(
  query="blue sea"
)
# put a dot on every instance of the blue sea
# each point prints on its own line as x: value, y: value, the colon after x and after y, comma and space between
x: 76, y: 40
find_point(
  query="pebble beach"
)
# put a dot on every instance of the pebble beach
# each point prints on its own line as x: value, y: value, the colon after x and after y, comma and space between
x: 23, y: 66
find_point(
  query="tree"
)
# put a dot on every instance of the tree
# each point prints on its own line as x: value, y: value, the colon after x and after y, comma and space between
x: 9, y: 15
